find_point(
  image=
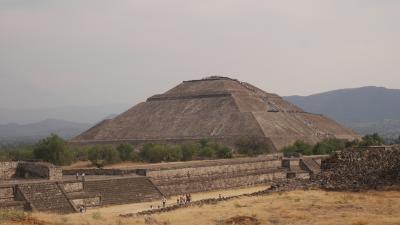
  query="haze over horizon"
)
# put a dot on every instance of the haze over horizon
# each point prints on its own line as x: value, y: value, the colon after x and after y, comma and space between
x: 95, y: 52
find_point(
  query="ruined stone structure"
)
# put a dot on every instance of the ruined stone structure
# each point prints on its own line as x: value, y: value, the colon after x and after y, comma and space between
x: 142, y: 183
x: 361, y: 168
x: 10, y: 170
x: 217, y: 108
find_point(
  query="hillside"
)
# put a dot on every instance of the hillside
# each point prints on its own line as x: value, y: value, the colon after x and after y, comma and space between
x: 13, y: 133
x: 366, y: 109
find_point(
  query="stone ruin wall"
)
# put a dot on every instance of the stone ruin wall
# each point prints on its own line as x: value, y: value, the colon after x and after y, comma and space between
x: 12, y: 170
x: 204, y: 171
x: 356, y: 169
x: 8, y: 170
x: 205, y: 178
x: 39, y: 170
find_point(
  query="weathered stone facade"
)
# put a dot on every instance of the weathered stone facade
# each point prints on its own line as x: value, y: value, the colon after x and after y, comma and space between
x: 39, y: 170
x: 8, y: 170
x: 355, y: 169
x: 218, y: 108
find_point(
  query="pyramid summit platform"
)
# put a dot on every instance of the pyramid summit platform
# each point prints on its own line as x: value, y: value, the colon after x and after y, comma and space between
x: 218, y: 108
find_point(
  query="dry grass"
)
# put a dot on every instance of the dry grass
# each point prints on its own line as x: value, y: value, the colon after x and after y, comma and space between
x: 297, y: 207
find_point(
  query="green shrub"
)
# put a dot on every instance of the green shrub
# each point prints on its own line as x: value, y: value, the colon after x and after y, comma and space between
x: 53, y: 149
x: 371, y: 140
x: 161, y: 152
x: 224, y: 152
x: 299, y: 147
x: 126, y: 152
x: 152, y: 153
x: 80, y: 153
x: 252, y: 146
x: 190, y: 150
x: 328, y: 146
x: 103, y: 154
x: 172, y: 153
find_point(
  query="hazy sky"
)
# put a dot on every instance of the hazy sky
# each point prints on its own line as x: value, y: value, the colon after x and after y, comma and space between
x: 90, y: 52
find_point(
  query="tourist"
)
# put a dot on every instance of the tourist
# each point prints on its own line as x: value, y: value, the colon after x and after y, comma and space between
x: 164, y: 201
x: 177, y: 201
x: 77, y: 176
x: 190, y: 197
x: 83, y: 176
x: 187, y: 198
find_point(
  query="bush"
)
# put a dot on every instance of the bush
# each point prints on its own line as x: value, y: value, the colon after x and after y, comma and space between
x: 371, y: 140
x: 206, y: 152
x: 190, y: 150
x: 299, y: 147
x: 252, y: 146
x: 102, y: 155
x: 161, y: 152
x: 224, y: 152
x: 152, y: 153
x: 328, y: 146
x: 53, y: 149
x: 126, y: 152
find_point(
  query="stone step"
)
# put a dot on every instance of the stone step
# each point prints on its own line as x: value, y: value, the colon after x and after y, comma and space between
x: 124, y: 190
x: 12, y: 204
x: 46, y: 197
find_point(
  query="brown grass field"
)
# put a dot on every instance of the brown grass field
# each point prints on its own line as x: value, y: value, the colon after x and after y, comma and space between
x: 297, y: 207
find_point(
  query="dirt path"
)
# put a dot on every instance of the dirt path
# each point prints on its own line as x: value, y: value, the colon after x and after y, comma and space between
x: 137, y: 207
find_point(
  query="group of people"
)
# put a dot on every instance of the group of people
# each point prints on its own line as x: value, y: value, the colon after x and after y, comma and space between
x: 83, y: 176
x: 183, y: 199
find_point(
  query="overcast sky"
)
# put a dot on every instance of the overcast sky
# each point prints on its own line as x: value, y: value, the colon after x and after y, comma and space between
x: 89, y: 52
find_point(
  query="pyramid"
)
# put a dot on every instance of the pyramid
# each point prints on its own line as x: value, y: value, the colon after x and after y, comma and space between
x: 218, y: 108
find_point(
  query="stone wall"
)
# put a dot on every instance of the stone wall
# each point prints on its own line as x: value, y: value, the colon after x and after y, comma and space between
x: 8, y: 170
x: 39, y: 170
x: 98, y: 172
x: 201, y: 184
x: 214, y: 175
x: 87, y: 202
x: 73, y: 186
x: 6, y: 193
x: 361, y: 169
x: 208, y: 171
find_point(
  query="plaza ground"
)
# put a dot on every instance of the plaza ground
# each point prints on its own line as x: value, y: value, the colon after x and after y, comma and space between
x: 296, y: 207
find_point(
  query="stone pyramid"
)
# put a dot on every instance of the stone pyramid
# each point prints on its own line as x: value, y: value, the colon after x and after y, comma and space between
x: 218, y: 108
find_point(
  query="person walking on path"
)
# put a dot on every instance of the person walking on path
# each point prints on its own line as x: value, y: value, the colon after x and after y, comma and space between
x: 164, y: 201
x: 83, y: 177
x: 77, y: 176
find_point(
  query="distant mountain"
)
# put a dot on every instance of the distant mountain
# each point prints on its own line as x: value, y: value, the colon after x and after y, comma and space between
x: 366, y: 109
x: 13, y: 133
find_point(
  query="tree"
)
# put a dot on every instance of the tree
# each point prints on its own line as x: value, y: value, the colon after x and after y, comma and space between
x: 223, y: 152
x: 252, y: 146
x: 371, y: 140
x: 53, y: 149
x: 190, y: 150
x: 126, y: 152
x: 152, y: 153
x: 328, y: 146
x: 101, y: 155
x: 299, y: 147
